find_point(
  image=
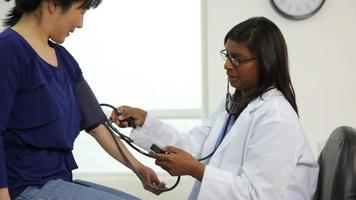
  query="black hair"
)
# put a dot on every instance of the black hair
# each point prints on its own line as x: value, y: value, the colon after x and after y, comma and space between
x: 264, y: 39
x: 28, y: 6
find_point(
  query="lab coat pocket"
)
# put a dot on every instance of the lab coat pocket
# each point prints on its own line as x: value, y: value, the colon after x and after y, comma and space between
x: 35, y: 106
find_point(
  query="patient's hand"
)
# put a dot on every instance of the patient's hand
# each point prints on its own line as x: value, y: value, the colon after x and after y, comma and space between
x: 150, y: 178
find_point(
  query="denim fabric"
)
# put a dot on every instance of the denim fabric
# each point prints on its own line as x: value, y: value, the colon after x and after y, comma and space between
x: 77, y: 190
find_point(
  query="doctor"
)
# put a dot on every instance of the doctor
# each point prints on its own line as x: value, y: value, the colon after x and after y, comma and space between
x: 258, y: 146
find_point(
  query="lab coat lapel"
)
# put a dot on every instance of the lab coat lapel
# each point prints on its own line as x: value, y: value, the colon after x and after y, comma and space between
x: 211, y: 141
x: 242, y: 124
x: 240, y: 127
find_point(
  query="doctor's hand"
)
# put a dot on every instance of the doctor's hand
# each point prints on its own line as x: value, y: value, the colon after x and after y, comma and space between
x: 148, y: 176
x: 178, y: 162
x: 124, y: 112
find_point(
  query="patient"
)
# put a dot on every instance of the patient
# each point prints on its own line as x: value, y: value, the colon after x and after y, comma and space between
x: 40, y: 116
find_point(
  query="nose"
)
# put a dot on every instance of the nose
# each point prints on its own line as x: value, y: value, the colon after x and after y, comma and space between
x: 228, y: 65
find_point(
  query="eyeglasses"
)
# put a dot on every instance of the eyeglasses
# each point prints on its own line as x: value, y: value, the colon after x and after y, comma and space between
x: 225, y: 55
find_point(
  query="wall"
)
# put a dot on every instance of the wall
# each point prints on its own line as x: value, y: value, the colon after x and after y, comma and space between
x: 4, y: 6
x: 322, y: 64
x: 321, y: 51
x: 322, y: 60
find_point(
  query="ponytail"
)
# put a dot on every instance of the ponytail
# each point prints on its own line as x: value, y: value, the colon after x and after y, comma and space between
x: 21, y: 7
x: 28, y: 6
x: 12, y: 17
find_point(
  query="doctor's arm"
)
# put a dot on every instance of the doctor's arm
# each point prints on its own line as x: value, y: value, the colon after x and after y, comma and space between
x: 150, y: 130
x: 178, y: 161
x: 267, y: 167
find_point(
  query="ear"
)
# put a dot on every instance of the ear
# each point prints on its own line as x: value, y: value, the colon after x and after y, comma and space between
x: 52, y: 7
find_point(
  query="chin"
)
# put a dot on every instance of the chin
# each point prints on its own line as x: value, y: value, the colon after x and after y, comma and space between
x: 238, y: 87
x: 235, y: 85
x: 58, y: 40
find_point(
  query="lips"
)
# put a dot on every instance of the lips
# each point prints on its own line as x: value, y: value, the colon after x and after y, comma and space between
x: 232, y: 78
x: 70, y: 32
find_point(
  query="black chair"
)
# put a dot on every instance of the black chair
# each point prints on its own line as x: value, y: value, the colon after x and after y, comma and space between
x: 337, y: 175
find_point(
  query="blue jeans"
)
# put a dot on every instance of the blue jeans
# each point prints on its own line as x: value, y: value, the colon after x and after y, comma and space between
x: 76, y: 190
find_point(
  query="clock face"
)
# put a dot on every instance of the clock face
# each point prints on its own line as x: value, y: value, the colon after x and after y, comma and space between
x: 297, y: 9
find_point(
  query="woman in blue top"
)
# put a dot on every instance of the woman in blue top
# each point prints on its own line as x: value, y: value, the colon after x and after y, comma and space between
x: 40, y: 115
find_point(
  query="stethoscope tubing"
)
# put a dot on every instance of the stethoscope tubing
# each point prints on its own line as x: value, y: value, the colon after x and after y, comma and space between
x: 130, y: 142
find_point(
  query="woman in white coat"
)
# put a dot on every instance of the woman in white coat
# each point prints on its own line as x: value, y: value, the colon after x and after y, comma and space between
x: 258, y: 147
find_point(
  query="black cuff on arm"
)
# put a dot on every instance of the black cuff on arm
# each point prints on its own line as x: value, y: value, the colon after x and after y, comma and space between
x: 91, y: 113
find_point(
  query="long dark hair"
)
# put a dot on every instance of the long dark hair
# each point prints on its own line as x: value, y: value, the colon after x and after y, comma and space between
x: 28, y: 6
x: 264, y: 39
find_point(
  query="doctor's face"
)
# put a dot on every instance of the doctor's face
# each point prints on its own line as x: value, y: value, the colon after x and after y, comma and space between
x: 241, y: 67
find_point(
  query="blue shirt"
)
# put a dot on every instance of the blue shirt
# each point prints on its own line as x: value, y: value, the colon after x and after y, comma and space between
x: 228, y: 124
x: 39, y: 114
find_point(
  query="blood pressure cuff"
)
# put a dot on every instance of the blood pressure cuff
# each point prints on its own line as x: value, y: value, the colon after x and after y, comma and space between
x: 91, y: 113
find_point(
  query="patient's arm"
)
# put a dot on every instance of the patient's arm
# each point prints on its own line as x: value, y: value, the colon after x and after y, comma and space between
x: 4, y: 194
x: 104, y: 138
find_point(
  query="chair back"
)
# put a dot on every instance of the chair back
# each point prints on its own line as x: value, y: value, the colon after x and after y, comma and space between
x: 337, y: 174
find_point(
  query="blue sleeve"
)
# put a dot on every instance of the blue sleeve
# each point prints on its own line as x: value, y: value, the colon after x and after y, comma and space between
x: 10, y: 68
x: 91, y: 113
x: 73, y: 69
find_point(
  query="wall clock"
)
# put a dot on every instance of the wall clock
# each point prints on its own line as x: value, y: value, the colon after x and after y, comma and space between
x: 297, y: 9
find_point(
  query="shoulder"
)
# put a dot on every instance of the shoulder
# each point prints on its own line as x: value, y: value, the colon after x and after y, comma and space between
x: 14, y: 48
x: 68, y: 62
x: 9, y: 43
x: 62, y: 51
x: 275, y: 100
x: 15, y: 53
x: 274, y: 107
x: 275, y: 115
x: 9, y: 39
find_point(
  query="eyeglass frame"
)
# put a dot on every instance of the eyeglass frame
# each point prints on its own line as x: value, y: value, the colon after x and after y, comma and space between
x: 225, y: 55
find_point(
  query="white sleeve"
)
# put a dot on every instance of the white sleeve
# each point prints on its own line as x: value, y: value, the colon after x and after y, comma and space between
x: 162, y: 134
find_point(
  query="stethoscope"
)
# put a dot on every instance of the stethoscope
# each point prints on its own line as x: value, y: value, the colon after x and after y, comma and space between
x: 130, y: 142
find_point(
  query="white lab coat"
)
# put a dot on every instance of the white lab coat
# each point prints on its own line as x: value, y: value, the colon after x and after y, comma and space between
x: 264, y: 156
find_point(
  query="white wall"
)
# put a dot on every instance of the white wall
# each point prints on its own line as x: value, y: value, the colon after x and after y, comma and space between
x: 321, y: 50
x: 4, y: 6
x: 322, y: 59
